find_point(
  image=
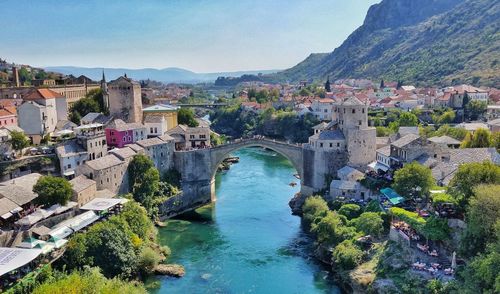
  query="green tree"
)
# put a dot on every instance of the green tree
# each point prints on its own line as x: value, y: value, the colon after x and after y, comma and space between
x: 413, y: 181
x: 495, y: 138
x: 18, y: 141
x: 483, y: 214
x: 436, y: 229
x: 331, y: 229
x: 447, y: 117
x: 470, y: 175
x: 480, y: 139
x: 185, y: 116
x: 144, y: 180
x: 137, y: 219
x: 370, y: 223
x: 314, y: 207
x: 83, y: 107
x: 350, y: 210
x: 475, y: 109
x: 148, y: 260
x: 112, y: 249
x: 52, y: 190
x: 408, y: 119
x: 89, y: 280
x: 347, y: 255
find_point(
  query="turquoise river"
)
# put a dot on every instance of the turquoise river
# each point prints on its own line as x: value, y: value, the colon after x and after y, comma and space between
x: 248, y: 241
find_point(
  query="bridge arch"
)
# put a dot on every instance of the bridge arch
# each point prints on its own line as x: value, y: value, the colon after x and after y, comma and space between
x: 290, y: 151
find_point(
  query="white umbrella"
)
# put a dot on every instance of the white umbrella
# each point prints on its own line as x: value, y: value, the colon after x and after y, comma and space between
x: 454, y: 260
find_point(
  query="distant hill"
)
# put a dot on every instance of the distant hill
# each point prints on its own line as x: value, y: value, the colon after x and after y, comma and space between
x: 166, y: 75
x: 425, y: 42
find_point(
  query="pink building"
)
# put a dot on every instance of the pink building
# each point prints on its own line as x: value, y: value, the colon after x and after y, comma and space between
x: 120, y: 133
x: 8, y: 116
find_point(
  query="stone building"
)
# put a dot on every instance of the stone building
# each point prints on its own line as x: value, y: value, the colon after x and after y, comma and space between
x: 351, y: 116
x: 160, y: 150
x: 190, y: 137
x: 109, y: 172
x: 92, y: 139
x: 125, y: 100
x: 84, y: 189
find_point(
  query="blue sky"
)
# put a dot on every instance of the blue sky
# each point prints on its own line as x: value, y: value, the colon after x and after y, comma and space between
x: 199, y: 35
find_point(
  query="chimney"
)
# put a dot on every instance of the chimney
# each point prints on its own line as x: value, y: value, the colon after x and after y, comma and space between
x: 15, y: 77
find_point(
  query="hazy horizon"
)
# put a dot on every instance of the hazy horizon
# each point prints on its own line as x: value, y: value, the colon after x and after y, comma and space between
x: 198, y: 35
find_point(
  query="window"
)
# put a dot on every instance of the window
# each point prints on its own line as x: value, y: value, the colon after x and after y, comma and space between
x: 151, y: 130
x: 363, y: 110
x: 90, y: 144
x: 320, y: 144
x: 338, y: 144
x: 191, y: 136
x: 69, y: 165
x: 331, y: 145
x: 354, y: 111
x: 359, y: 122
x: 124, y: 138
x: 203, y: 136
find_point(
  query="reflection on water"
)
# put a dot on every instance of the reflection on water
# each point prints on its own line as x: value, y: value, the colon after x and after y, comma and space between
x: 247, y: 242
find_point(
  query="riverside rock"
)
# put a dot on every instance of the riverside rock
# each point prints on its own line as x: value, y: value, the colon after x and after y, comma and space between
x: 172, y: 270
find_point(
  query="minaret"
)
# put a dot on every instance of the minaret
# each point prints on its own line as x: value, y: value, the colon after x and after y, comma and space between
x: 104, y: 89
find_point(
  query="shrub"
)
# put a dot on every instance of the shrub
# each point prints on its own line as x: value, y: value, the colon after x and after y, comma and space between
x: 347, y: 255
x: 350, y: 210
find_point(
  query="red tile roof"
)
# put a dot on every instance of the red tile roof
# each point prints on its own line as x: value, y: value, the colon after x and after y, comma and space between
x: 42, y: 94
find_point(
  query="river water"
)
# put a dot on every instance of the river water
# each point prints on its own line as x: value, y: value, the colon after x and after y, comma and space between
x: 248, y: 241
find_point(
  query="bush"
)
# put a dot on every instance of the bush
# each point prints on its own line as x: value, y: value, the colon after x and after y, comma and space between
x: 350, y: 210
x: 52, y: 190
x: 148, y: 260
x: 314, y: 207
x: 347, y: 255
x: 369, y: 223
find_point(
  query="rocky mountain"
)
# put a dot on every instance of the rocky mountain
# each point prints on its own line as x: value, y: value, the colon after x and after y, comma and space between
x: 166, y: 75
x: 425, y: 42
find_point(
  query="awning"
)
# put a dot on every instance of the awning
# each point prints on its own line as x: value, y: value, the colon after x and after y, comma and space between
x: 393, y: 197
x: 14, y: 258
x: 69, y: 173
x: 100, y: 204
x: 378, y: 166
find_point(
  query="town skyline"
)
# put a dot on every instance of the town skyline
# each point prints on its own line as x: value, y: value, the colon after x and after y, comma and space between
x: 177, y: 34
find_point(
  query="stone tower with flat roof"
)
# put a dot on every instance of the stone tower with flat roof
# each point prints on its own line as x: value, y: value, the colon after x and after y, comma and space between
x: 125, y: 100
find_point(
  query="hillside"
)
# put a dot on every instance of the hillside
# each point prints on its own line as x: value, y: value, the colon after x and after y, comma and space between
x: 426, y: 42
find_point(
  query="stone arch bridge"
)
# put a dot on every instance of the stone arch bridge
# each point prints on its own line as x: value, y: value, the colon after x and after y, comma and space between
x: 198, y: 168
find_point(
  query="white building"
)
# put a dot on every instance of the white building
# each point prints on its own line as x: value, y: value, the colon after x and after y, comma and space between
x: 323, y: 108
x: 156, y: 125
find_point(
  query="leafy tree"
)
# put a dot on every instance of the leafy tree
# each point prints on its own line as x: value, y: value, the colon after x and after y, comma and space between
x: 304, y: 92
x: 331, y: 229
x: 495, y: 138
x: 144, y: 180
x: 350, y: 210
x: 97, y: 96
x: 347, y: 255
x: 408, y: 119
x: 413, y: 181
x: 173, y: 177
x: 137, y: 219
x: 83, y: 107
x: 436, y: 229
x: 314, y: 207
x: 112, y: 249
x: 89, y: 280
x: 457, y: 133
x: 475, y: 109
x: 25, y: 76
x: 480, y: 139
x: 185, y: 116
x: 373, y: 206
x: 470, y: 175
x: 18, y: 141
x: 446, y: 117
x: 52, y: 190
x: 483, y: 215
x: 383, y: 131
x: 369, y: 223
x: 148, y: 260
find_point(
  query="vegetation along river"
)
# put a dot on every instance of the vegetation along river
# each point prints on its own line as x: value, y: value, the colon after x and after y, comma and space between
x: 248, y: 241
